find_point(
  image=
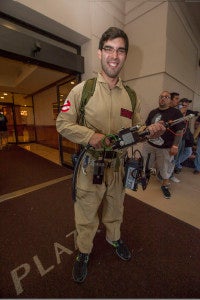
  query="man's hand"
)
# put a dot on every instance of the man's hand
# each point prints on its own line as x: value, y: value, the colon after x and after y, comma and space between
x: 173, y: 150
x: 96, y: 140
x: 156, y: 130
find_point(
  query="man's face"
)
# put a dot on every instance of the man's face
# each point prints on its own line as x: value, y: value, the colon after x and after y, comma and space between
x: 175, y: 101
x: 164, y: 100
x: 185, y: 104
x: 184, y: 107
x: 112, y: 56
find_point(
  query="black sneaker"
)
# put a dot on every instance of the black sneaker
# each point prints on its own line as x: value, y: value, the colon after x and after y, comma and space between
x: 177, y: 170
x: 121, y: 249
x: 166, y: 192
x: 79, y: 271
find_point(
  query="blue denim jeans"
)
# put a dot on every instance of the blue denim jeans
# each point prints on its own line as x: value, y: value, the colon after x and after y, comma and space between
x: 197, y: 157
x: 183, y: 154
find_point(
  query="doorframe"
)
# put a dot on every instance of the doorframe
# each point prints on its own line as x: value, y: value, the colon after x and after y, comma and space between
x: 60, y: 138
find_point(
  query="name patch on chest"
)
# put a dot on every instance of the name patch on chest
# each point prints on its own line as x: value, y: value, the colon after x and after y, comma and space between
x: 126, y: 113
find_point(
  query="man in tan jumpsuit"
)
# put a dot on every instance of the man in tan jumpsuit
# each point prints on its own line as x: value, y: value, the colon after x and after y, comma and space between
x: 107, y: 112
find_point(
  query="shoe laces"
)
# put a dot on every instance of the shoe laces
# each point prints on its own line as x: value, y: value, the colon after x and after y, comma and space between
x: 82, y: 257
x: 120, y: 245
x: 165, y: 190
x: 116, y: 244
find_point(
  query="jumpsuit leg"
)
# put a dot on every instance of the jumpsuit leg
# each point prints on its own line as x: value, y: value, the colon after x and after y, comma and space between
x: 88, y: 199
x: 113, y: 204
x: 86, y: 219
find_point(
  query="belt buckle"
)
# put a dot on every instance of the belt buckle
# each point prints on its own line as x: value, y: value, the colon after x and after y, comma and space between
x: 110, y: 154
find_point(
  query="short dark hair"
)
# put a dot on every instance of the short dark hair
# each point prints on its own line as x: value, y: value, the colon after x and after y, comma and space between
x: 112, y: 33
x: 174, y: 94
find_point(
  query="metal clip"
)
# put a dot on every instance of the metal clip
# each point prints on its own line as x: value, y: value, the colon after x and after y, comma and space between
x: 85, y: 164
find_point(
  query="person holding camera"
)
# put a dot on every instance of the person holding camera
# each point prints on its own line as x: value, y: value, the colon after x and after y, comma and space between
x: 185, y: 147
x: 108, y: 111
x: 197, y: 141
x: 163, y: 149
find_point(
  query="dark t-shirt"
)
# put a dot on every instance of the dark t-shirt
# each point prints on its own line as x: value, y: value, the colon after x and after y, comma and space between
x: 3, y: 121
x: 198, y: 119
x: 169, y: 114
x: 194, y: 112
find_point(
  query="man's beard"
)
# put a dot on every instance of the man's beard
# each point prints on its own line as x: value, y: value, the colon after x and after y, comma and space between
x: 109, y: 72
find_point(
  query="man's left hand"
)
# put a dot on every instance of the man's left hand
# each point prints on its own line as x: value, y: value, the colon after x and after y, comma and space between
x: 156, y: 130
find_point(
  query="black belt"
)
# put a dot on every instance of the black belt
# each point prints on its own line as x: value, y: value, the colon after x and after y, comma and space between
x: 110, y: 154
x: 104, y: 154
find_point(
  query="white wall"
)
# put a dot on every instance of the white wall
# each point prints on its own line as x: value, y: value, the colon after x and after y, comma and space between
x: 43, y: 107
x: 146, y: 24
x: 182, y: 53
x: 146, y: 31
x: 72, y: 14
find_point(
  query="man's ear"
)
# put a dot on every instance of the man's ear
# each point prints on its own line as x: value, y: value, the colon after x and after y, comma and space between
x: 99, y: 53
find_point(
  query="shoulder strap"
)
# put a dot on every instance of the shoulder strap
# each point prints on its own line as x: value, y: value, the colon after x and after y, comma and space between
x: 88, y: 91
x: 132, y: 96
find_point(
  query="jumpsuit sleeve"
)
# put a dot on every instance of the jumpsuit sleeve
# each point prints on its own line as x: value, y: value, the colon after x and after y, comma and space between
x: 66, y: 122
x: 137, y: 117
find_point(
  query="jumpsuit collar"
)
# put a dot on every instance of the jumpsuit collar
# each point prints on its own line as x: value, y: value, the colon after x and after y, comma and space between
x: 101, y: 79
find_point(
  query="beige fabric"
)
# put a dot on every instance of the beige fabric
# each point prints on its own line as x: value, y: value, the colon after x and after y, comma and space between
x: 164, y: 161
x: 88, y: 200
x: 102, y: 114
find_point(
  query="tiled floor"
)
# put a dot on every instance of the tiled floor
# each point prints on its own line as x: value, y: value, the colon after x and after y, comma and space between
x: 44, y: 151
x: 184, y: 203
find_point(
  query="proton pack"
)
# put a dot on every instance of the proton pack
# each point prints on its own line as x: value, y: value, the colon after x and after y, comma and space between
x: 136, y: 171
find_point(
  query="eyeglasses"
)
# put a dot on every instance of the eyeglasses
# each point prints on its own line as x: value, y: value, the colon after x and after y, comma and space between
x: 111, y: 50
x: 165, y: 97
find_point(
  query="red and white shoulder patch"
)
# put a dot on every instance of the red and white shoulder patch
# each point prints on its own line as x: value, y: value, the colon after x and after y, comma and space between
x: 66, y: 106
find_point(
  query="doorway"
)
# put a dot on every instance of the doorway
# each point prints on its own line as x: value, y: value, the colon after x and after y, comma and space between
x: 18, y: 110
x: 66, y: 147
x: 7, y: 110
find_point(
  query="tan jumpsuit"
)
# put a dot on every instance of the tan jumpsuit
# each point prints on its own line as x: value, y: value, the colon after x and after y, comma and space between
x: 103, y: 115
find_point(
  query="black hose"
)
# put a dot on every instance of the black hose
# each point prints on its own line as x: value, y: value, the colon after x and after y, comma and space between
x: 74, y: 179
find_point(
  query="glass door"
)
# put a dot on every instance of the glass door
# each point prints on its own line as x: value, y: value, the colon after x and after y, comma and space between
x: 7, y: 109
x: 19, y: 112
x: 66, y: 147
x: 25, y: 128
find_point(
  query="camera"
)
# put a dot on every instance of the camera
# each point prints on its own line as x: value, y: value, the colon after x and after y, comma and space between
x: 98, y: 171
x: 136, y: 172
x: 131, y: 174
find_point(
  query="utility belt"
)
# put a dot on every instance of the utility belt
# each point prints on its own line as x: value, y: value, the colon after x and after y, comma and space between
x: 104, y: 154
x: 100, y: 160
